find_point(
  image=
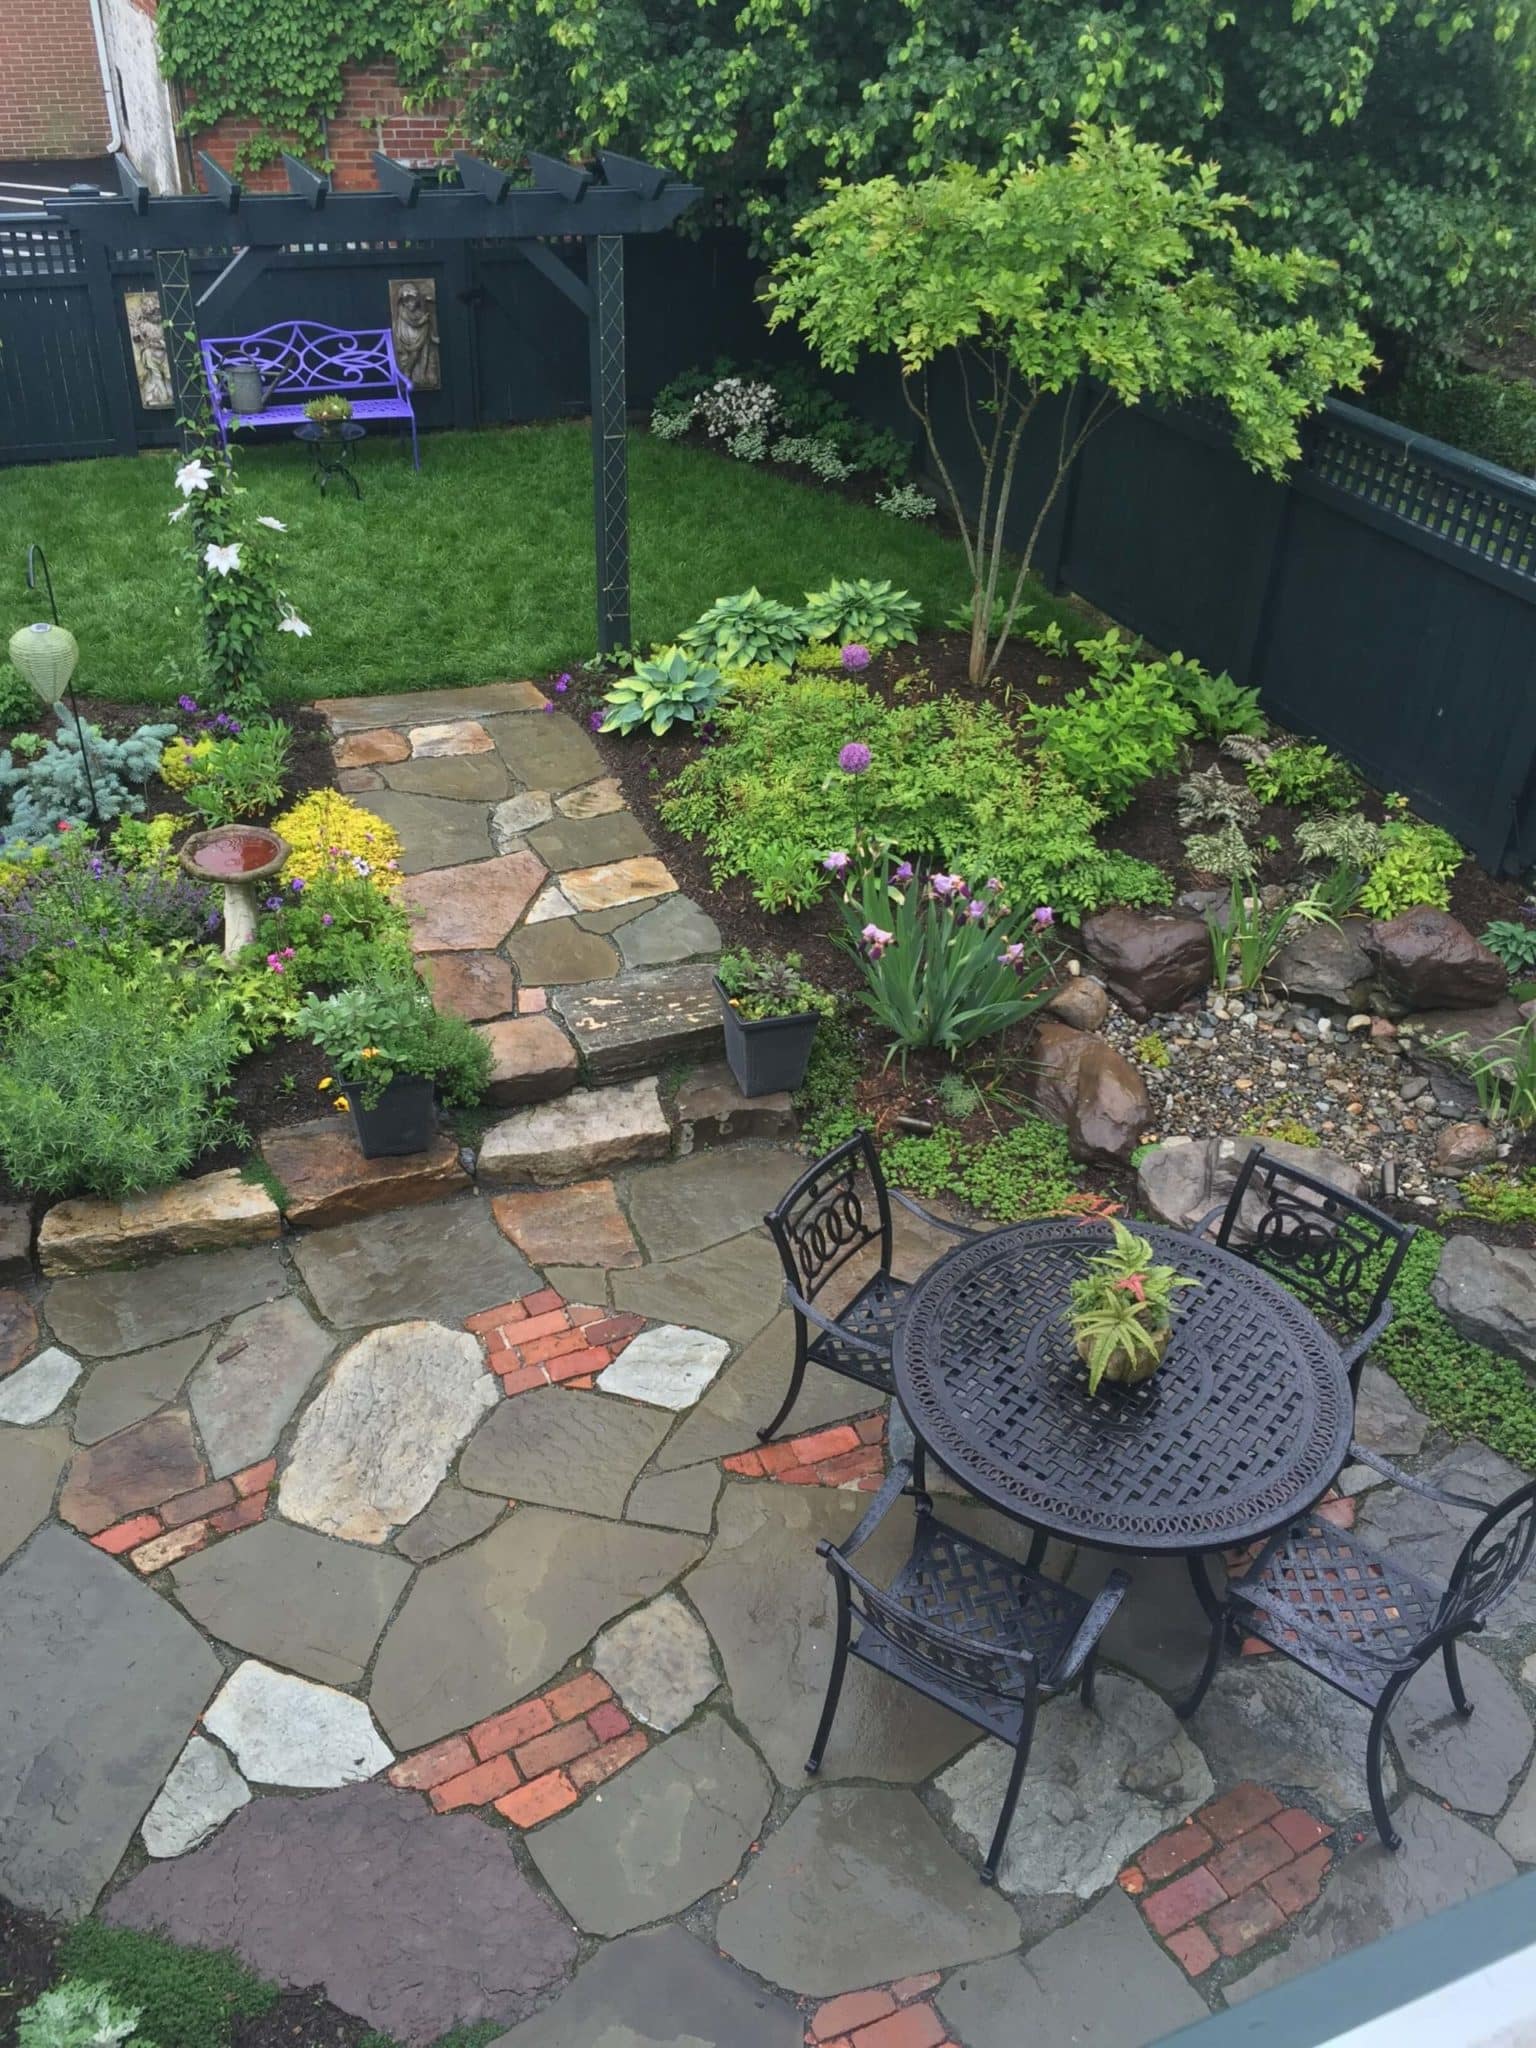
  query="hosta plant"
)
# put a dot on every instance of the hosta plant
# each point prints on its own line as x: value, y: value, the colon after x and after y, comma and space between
x: 672, y: 688
x: 1122, y: 1310
x: 747, y: 631
x: 875, y: 615
x: 1515, y: 945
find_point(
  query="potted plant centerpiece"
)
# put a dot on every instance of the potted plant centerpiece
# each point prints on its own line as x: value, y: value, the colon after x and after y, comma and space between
x: 771, y: 1012
x: 330, y: 413
x: 394, y: 1058
x: 1122, y: 1311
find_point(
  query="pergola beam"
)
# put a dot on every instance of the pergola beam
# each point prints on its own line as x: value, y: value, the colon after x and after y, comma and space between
x: 304, y: 183
x: 399, y: 181
x: 479, y: 176
x: 225, y: 189
x: 554, y: 174
x: 133, y: 188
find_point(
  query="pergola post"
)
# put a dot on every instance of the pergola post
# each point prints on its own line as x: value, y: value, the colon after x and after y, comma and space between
x: 178, y: 316
x: 610, y: 444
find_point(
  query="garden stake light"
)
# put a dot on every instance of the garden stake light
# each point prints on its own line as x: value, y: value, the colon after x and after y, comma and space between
x: 45, y: 656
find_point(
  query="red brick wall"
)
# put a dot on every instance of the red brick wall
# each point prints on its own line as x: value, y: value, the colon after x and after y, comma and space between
x: 371, y: 117
x: 51, y: 101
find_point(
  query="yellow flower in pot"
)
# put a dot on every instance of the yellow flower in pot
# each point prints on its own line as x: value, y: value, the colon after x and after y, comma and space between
x: 1122, y: 1311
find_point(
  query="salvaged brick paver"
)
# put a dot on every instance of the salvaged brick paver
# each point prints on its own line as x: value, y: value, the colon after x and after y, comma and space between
x: 847, y: 1454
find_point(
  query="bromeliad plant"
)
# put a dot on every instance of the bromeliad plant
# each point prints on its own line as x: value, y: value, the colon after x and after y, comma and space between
x: 1122, y: 1311
x: 944, y: 965
x: 672, y: 688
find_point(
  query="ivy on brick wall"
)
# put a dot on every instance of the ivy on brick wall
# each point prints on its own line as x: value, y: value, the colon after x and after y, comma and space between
x: 278, y: 63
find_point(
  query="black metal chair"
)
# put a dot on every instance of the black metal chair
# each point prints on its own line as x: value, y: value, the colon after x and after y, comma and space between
x: 1336, y: 1254
x: 834, y: 1210
x: 1359, y: 1619
x: 966, y: 1626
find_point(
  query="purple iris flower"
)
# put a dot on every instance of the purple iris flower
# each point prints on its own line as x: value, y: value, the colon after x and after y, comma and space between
x: 903, y: 872
x: 1043, y: 915
x: 836, y: 863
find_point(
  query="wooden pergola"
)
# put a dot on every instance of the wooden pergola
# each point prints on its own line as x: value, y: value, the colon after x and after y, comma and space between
x: 598, y: 207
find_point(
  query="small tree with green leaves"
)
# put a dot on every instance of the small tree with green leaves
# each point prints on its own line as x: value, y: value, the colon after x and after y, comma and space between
x: 1115, y: 275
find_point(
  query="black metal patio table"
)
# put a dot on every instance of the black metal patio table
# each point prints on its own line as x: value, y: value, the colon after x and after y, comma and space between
x: 1245, y: 1424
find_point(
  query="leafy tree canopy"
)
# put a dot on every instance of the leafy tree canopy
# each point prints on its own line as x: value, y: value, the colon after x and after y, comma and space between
x: 1397, y: 136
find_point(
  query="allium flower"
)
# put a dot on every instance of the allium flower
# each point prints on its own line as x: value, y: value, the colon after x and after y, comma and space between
x: 836, y: 863
x: 903, y: 872
x: 223, y: 561
x: 1043, y: 915
x: 193, y: 476
x: 855, y: 656
x: 290, y: 622
x: 854, y: 759
x: 266, y: 519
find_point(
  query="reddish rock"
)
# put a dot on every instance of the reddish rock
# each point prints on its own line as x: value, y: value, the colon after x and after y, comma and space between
x: 474, y: 986
x: 366, y: 749
x: 1151, y: 960
x: 531, y: 1060
x: 138, y: 1468
x: 327, y: 1180
x: 556, y: 1226
x: 1461, y: 1148
x: 1094, y: 1093
x: 471, y: 908
x: 1427, y: 960
x: 1081, y: 1002
x: 18, y: 1330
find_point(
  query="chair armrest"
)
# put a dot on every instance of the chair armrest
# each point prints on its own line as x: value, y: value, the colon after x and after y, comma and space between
x: 812, y: 1314
x: 927, y: 1216
x: 896, y: 1481
x: 1210, y: 1217
x: 1359, y: 1455
x: 1353, y: 1353
x: 1091, y: 1627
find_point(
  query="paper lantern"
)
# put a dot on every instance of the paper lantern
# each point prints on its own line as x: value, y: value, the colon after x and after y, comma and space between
x: 46, y: 657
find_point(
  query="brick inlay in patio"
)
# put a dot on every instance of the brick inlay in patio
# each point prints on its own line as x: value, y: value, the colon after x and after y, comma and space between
x: 899, y: 2015
x: 848, y: 1454
x: 157, y: 1537
x: 1234, y: 1873
x: 544, y: 1341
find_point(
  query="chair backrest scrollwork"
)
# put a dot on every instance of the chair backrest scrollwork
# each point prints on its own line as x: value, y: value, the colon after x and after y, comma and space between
x: 831, y: 1214
x: 1494, y: 1559
x: 1003, y: 1673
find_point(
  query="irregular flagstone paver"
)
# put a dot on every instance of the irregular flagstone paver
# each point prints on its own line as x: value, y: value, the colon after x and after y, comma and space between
x: 1443, y: 1860
x: 18, y: 1329
x: 1102, y: 1980
x: 661, y: 1990
x: 531, y: 1060
x: 455, y: 736
x: 203, y: 1790
x: 415, y: 707
x: 746, y: 1397
x: 435, y: 833
x: 560, y: 952
x: 1101, y: 1782
x: 15, y: 1243
x: 1385, y: 1419
x: 376, y: 1443
x: 499, y: 1618
x: 327, y: 1180
x: 121, y: 1391
x: 675, y: 930
x: 568, y: 1140
x: 1516, y: 1832
x: 689, y: 1204
x: 593, y: 799
x: 608, y: 884
x: 677, y: 1500
x: 627, y: 1026
x: 101, y: 1314
x: 769, y: 1605
x: 551, y: 752
x: 287, y: 1731
x: 138, y: 1468
x: 673, y: 1826
x: 367, y: 749
x: 444, y: 1262
x: 1429, y: 1538
x: 247, y: 1388
x: 292, y: 1598
x: 1264, y: 1718
x: 550, y: 902
x: 859, y: 1887
x: 452, y: 1517
x: 474, y: 986
x: 547, y: 1224
x: 31, y: 1393
x: 1159, y: 1632
x: 470, y: 909
x: 732, y: 1290
x: 562, y: 1449
x: 657, y: 1659
x: 711, y: 1110
x: 194, y: 1215
x: 587, y: 843
x: 102, y: 1679
x: 30, y: 1463
x: 518, y: 815
x: 1471, y: 1764
x: 460, y: 778
x: 669, y: 1366
x: 415, y: 1923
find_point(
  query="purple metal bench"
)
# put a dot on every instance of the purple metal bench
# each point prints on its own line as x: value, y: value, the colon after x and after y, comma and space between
x: 304, y: 360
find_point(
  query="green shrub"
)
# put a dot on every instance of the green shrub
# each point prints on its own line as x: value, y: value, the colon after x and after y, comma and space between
x: 20, y: 704
x: 1346, y: 837
x: 746, y: 631
x: 1025, y: 1171
x: 1303, y: 776
x: 1218, y: 706
x: 875, y: 615
x: 109, y: 1082
x: 1467, y: 1390
x: 187, y: 1997
x: 1223, y: 852
x: 1415, y: 867
x: 340, y: 927
x: 239, y: 777
x: 1487, y: 415
x: 1112, y: 738
x: 75, y: 2014
x: 671, y: 688
x: 53, y: 788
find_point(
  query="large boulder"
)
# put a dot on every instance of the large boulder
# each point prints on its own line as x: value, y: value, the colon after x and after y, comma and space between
x: 1179, y: 1182
x: 1427, y: 960
x: 1081, y: 1002
x: 1092, y: 1091
x: 1487, y: 1292
x: 1324, y: 963
x: 1151, y: 960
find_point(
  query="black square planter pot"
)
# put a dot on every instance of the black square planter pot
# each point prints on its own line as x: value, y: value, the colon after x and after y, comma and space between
x: 767, y: 1054
x: 404, y: 1119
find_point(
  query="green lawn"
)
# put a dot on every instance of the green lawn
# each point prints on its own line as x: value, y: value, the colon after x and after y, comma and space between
x: 481, y: 566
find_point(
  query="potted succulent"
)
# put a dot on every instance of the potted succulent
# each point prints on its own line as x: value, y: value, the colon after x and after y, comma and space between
x: 394, y: 1059
x: 1122, y: 1311
x: 329, y: 413
x: 771, y: 1012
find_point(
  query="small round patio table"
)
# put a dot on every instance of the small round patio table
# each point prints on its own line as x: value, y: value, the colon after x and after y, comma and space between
x: 330, y: 445
x: 1245, y: 1424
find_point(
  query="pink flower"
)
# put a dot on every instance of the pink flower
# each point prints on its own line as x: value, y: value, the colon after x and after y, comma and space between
x: 876, y: 940
x: 836, y: 863
x: 975, y: 909
x: 1012, y: 956
x: 945, y: 886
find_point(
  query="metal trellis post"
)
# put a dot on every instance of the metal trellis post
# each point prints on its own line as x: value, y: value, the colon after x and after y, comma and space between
x: 610, y: 452
x: 178, y: 315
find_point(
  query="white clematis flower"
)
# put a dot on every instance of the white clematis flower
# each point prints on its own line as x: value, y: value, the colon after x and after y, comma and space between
x: 290, y: 622
x: 266, y: 519
x: 222, y: 560
x: 180, y: 513
x: 193, y: 476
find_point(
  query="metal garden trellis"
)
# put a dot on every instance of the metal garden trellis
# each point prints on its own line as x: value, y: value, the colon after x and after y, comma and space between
x: 599, y: 207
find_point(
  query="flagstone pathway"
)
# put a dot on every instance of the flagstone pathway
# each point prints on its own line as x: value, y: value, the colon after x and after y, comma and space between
x: 406, y: 1601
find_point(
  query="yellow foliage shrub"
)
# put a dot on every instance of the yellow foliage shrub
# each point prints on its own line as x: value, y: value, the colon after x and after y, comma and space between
x: 331, y: 836
x: 182, y: 761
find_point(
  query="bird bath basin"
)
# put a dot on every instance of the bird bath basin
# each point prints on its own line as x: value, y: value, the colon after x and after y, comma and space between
x: 241, y: 857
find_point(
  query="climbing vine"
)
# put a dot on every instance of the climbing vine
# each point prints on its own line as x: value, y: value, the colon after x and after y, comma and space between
x: 279, y: 63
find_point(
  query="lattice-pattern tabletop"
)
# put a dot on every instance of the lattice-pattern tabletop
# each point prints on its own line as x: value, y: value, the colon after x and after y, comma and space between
x: 1246, y: 1422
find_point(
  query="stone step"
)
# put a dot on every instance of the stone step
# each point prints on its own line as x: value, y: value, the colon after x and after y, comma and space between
x: 583, y: 1133
x: 642, y: 1022
x: 326, y: 1180
x: 212, y: 1211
